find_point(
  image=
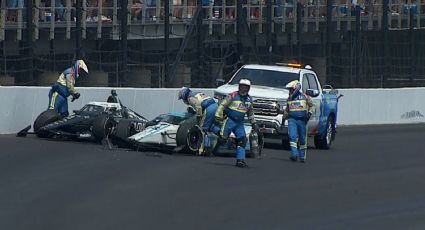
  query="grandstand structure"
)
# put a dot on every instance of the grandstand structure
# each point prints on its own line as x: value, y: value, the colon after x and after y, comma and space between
x: 129, y: 43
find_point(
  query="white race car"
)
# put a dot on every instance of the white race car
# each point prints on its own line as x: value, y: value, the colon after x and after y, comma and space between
x: 178, y: 132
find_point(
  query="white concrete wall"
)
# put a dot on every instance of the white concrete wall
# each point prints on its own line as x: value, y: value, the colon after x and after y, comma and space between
x: 381, y: 106
x: 21, y: 105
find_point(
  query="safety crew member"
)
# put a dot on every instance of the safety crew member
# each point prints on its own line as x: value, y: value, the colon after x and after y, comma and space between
x: 235, y: 106
x: 298, y: 111
x: 205, y: 108
x: 64, y: 87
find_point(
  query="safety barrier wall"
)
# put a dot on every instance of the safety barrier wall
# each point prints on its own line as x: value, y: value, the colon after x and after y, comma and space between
x: 21, y: 105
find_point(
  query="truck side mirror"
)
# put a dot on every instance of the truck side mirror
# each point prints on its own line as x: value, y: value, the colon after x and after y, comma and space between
x: 329, y: 89
x: 312, y: 92
x: 219, y: 82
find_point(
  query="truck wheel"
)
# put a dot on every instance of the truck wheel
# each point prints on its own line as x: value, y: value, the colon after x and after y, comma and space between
x: 324, y: 141
x: 102, y: 126
x: 189, y: 136
x: 45, y: 118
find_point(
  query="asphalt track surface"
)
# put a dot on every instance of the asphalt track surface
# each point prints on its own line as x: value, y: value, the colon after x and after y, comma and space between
x: 372, y: 178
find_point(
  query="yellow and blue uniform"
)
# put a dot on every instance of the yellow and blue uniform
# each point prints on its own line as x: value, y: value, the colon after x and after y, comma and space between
x: 236, y: 107
x: 205, y: 108
x: 298, y: 107
x: 61, y: 90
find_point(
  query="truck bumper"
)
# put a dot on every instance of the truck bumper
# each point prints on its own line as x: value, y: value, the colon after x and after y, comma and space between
x: 272, y: 127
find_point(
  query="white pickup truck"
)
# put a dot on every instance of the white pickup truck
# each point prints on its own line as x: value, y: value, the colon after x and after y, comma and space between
x: 269, y: 95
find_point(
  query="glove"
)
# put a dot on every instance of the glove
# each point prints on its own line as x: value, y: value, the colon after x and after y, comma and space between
x: 75, y: 96
x: 254, y: 126
x: 307, y: 117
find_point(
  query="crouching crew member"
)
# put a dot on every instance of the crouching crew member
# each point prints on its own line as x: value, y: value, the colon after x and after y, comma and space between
x: 205, y: 108
x: 64, y: 87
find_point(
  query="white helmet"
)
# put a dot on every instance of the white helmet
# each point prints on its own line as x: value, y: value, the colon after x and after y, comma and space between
x: 80, y: 64
x: 243, y: 91
x: 245, y: 82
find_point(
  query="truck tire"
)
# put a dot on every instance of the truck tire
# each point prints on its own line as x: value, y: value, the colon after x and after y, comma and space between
x: 45, y: 118
x: 325, y: 141
x: 102, y: 126
x: 189, y: 136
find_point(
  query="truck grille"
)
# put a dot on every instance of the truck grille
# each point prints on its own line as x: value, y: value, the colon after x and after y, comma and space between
x: 266, y: 107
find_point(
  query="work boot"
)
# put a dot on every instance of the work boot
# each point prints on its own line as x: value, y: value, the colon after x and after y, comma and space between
x: 293, y: 158
x: 241, y: 164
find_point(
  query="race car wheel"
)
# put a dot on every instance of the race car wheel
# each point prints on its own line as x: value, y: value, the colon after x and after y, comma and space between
x: 124, y: 129
x: 45, y: 118
x: 324, y: 141
x: 194, y: 139
x: 183, y: 133
x: 102, y: 126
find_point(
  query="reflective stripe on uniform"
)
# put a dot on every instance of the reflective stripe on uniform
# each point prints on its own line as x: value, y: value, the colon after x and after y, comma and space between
x: 293, y: 144
x: 222, y: 127
x: 53, y: 100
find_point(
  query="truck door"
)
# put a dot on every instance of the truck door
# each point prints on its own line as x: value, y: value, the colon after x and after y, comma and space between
x: 309, y: 81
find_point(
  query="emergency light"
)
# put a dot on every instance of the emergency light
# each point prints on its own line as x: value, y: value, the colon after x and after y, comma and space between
x: 294, y: 65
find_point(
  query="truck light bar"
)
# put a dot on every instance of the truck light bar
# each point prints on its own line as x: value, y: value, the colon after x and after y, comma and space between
x: 293, y: 65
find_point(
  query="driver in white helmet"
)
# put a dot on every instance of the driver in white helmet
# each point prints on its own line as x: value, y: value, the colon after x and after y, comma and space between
x: 64, y: 87
x: 235, y: 106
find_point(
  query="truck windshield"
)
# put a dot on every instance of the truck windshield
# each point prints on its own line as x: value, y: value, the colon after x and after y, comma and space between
x: 263, y: 77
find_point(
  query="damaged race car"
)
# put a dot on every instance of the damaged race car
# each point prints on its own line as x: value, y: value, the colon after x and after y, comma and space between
x: 179, y: 132
x: 95, y: 121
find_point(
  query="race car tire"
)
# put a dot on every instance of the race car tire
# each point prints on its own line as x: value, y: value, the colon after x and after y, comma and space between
x: 260, y: 139
x: 102, y: 126
x: 324, y: 141
x: 123, y: 130
x: 45, y: 118
x: 194, y: 139
x: 182, y: 134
